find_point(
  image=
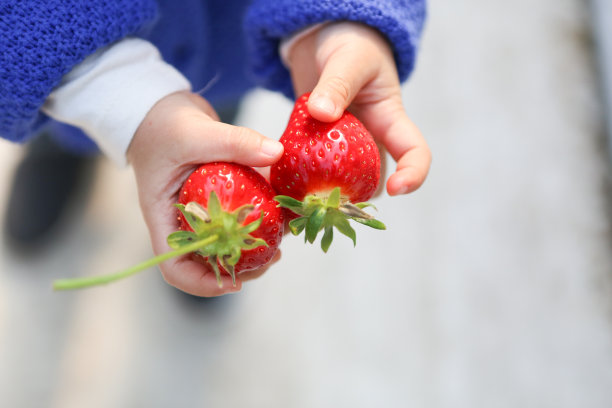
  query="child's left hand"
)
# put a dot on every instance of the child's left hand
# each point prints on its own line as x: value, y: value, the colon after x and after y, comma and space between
x: 349, y: 64
x: 178, y: 134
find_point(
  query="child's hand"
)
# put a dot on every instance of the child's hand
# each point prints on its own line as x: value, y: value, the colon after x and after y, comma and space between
x: 180, y: 132
x: 351, y: 64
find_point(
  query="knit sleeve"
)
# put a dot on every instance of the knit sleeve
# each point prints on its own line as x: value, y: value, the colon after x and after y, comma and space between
x: 42, y: 40
x: 267, y: 22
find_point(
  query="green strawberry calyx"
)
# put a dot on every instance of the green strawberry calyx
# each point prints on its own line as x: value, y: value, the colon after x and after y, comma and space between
x: 323, y: 213
x: 232, y: 236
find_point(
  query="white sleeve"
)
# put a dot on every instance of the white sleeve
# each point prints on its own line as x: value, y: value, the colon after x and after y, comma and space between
x: 110, y: 92
x: 287, y: 44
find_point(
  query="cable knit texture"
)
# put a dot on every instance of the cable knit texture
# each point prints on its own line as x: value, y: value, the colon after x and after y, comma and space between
x: 225, y: 47
x: 401, y: 21
x: 43, y: 40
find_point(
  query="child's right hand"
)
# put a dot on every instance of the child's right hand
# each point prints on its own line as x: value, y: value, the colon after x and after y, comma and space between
x: 347, y: 64
x: 180, y: 132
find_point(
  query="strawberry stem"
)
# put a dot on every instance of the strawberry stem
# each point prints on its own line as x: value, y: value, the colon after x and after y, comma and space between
x: 78, y: 283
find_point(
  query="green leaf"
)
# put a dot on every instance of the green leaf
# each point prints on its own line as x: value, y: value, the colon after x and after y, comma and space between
x: 212, y: 261
x: 365, y: 205
x: 333, y: 200
x: 234, y: 255
x: 372, y: 223
x: 315, y: 221
x: 328, y: 237
x: 203, y: 253
x: 252, y: 226
x: 214, y: 205
x: 196, y: 224
x: 290, y: 203
x: 228, y: 267
x: 345, y: 228
x: 179, y: 239
x: 252, y: 243
x: 243, y: 212
x: 297, y: 225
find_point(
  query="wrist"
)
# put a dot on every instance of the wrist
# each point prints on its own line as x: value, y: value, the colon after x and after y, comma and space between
x: 109, y: 93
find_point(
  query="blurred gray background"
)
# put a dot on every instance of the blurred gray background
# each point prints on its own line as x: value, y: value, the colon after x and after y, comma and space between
x: 491, y: 288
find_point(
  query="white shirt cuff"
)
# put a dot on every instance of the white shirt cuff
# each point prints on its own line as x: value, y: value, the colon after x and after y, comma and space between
x: 288, y: 43
x: 110, y: 92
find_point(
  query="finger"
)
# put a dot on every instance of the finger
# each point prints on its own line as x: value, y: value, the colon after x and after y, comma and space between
x: 383, y: 169
x: 409, y: 149
x: 340, y: 81
x: 264, y: 171
x: 390, y: 125
x: 197, y: 279
x: 223, y: 142
x: 411, y: 172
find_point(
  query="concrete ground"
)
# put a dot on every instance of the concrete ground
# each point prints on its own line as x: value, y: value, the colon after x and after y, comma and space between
x: 491, y: 288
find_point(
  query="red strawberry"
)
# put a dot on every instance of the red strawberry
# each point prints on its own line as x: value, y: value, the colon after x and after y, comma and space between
x: 237, y: 204
x: 326, y: 173
x: 228, y: 217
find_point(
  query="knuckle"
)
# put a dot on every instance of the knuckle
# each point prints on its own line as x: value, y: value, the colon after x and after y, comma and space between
x: 340, y: 87
x: 240, y: 140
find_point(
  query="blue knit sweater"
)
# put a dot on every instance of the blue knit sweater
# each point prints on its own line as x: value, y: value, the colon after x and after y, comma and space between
x: 235, y: 41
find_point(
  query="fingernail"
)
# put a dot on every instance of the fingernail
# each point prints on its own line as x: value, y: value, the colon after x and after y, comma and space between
x: 271, y: 147
x: 403, y: 190
x: 406, y: 187
x: 323, y: 104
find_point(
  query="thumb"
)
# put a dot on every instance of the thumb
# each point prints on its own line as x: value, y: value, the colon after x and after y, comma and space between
x: 224, y: 142
x: 342, y: 77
